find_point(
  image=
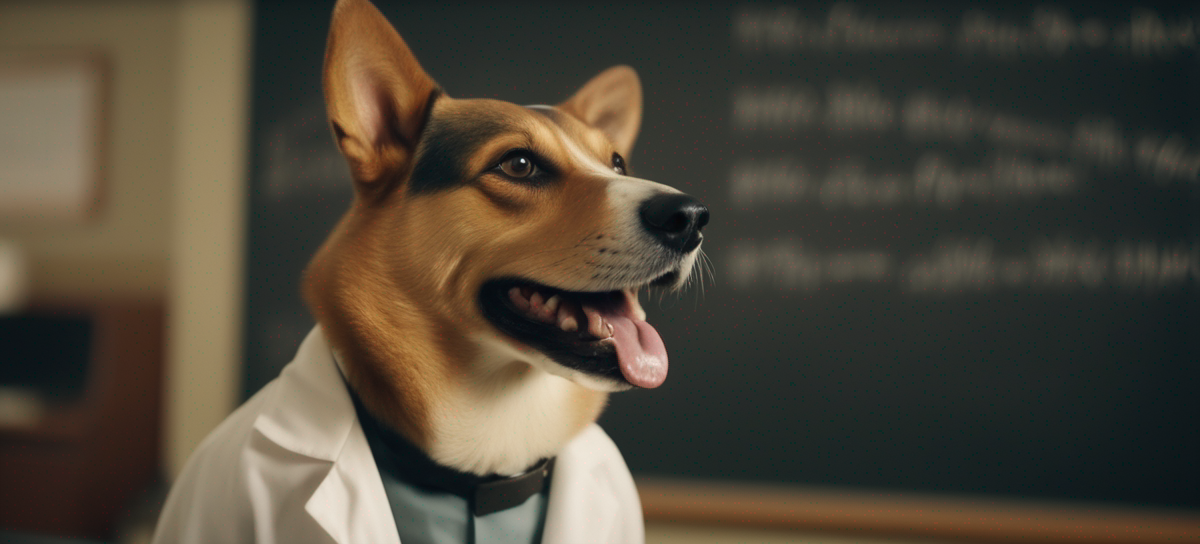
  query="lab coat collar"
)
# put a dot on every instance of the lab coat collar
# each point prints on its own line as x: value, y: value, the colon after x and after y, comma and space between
x: 583, y: 505
x: 311, y: 414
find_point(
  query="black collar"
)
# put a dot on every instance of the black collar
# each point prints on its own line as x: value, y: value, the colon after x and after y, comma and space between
x: 406, y: 462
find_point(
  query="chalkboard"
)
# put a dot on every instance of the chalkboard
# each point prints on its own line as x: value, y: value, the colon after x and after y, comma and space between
x: 955, y: 247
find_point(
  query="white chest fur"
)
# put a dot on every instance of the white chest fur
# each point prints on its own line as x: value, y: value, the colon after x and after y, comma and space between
x: 506, y: 416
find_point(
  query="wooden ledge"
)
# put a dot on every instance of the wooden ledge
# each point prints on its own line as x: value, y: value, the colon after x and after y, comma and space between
x: 947, y: 517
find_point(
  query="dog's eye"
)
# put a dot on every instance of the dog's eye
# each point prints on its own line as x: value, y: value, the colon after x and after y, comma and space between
x: 618, y: 164
x: 517, y: 166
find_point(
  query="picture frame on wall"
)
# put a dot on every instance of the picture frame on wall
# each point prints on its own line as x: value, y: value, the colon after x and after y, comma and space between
x: 53, y: 112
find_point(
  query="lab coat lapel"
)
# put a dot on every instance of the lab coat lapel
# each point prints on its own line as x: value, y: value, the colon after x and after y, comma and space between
x: 350, y: 504
x: 312, y: 415
x: 583, y: 506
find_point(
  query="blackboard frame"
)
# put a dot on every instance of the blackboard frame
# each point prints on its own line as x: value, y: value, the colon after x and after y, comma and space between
x: 909, y: 515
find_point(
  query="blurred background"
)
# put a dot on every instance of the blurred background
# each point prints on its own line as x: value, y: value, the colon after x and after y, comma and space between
x: 955, y: 253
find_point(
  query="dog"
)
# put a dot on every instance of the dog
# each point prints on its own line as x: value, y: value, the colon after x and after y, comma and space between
x: 476, y: 305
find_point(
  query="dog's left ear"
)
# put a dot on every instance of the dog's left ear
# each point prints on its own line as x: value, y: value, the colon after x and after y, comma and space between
x: 611, y: 102
x: 376, y: 94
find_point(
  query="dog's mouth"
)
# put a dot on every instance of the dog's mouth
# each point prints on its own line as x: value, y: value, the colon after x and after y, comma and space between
x: 603, y: 334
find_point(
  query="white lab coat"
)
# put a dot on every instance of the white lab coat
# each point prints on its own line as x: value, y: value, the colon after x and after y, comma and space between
x: 292, y: 466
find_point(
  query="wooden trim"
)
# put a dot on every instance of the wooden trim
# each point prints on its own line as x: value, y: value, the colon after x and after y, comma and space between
x: 975, y: 518
x: 205, y: 294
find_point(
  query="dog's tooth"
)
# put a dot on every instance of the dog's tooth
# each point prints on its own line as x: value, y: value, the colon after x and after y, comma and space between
x: 521, y: 302
x: 535, y: 303
x: 595, y: 324
x: 567, y: 322
x: 638, y: 312
x: 550, y: 308
x: 566, y: 316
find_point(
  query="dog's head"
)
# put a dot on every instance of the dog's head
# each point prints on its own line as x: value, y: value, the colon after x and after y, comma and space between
x: 495, y: 232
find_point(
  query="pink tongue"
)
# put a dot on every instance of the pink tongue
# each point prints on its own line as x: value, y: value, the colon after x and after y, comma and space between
x: 640, y: 351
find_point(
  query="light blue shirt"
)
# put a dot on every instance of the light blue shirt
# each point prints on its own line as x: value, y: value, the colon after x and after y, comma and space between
x: 430, y: 516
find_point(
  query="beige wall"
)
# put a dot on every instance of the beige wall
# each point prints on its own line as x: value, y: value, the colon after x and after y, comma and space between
x: 171, y: 224
x: 124, y: 249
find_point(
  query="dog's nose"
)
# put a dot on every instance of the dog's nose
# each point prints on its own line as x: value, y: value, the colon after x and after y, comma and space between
x: 675, y: 219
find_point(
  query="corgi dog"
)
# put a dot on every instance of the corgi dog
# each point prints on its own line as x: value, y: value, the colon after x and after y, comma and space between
x: 482, y: 290
x: 476, y: 305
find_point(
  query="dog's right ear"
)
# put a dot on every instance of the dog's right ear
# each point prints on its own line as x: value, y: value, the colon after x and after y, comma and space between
x: 376, y: 94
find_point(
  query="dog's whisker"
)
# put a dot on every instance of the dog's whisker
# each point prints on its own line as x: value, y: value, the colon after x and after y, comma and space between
x: 706, y: 266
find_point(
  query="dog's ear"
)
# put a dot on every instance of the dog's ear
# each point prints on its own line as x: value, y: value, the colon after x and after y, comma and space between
x: 376, y: 94
x: 611, y: 102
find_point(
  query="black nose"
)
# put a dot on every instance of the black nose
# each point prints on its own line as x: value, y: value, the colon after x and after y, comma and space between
x: 675, y: 220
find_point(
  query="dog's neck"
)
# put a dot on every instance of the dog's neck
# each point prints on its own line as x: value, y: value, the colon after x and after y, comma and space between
x: 508, y: 415
x: 499, y: 419
x: 469, y: 400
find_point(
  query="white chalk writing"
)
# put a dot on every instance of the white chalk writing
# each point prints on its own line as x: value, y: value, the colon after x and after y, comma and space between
x: 958, y: 265
x: 1049, y: 32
